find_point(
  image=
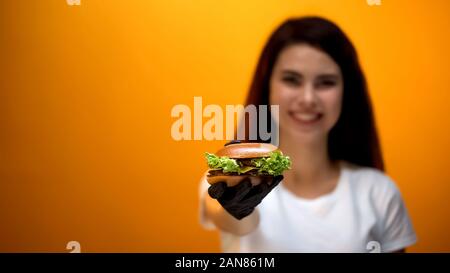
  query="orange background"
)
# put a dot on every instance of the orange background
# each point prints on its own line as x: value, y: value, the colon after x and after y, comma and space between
x: 86, y: 93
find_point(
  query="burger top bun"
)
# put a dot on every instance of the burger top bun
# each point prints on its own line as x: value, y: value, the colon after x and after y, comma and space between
x: 247, y: 150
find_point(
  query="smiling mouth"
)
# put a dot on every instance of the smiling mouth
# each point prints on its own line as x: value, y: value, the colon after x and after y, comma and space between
x: 305, y: 118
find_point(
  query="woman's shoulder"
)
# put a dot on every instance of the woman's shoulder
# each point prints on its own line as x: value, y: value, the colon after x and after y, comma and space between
x: 370, y: 179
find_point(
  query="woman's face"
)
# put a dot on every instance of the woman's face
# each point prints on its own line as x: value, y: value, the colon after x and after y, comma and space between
x: 308, y: 86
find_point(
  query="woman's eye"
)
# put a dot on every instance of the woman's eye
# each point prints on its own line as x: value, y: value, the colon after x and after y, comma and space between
x: 291, y: 80
x: 326, y: 84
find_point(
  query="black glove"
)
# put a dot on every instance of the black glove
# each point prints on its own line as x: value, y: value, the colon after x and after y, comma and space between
x: 241, y: 200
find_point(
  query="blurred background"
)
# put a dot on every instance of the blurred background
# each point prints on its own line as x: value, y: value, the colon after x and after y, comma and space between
x: 86, y: 93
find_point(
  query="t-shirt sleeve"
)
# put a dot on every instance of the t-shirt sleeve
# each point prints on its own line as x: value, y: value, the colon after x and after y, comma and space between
x: 205, y: 222
x: 396, y: 230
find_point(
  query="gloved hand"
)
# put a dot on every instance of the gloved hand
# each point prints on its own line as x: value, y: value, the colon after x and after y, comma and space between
x: 241, y: 200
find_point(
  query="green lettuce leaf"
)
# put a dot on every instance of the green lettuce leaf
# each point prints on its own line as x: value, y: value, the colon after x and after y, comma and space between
x: 274, y: 164
x: 222, y: 163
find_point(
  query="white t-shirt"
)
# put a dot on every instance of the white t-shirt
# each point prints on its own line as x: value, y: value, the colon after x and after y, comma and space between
x: 365, y: 210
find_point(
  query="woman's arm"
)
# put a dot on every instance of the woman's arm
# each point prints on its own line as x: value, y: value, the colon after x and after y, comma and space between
x: 226, y: 222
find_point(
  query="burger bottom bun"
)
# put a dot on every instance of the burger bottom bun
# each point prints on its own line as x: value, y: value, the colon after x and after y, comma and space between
x: 233, y: 180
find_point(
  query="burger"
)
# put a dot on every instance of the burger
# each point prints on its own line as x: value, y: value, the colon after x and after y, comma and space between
x: 256, y: 161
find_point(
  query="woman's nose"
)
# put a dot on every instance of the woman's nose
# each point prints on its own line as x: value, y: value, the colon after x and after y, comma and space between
x: 306, y: 96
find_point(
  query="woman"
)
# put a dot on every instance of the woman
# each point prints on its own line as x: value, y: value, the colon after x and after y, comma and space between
x: 336, y: 197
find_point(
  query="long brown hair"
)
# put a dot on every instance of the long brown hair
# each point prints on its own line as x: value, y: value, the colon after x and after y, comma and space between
x: 354, y: 137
